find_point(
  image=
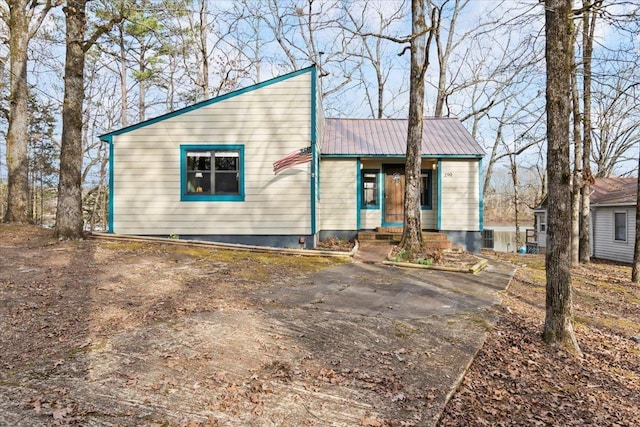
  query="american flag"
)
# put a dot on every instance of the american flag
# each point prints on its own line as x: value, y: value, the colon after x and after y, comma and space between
x: 302, y: 155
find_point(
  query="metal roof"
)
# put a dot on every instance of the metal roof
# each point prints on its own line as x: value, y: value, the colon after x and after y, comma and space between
x: 614, y: 191
x: 388, y: 137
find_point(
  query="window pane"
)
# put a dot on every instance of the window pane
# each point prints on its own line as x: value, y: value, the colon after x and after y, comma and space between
x: 199, y: 161
x: 370, y: 189
x: 226, y: 163
x: 425, y: 191
x: 199, y: 182
x: 621, y: 226
x: 227, y: 183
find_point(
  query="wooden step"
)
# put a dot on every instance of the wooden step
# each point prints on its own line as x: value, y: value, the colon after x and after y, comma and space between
x: 431, y: 240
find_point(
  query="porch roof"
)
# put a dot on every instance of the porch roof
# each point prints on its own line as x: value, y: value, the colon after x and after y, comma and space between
x: 441, y: 137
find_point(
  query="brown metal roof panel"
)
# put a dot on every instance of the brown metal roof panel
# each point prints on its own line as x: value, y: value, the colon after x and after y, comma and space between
x: 442, y: 136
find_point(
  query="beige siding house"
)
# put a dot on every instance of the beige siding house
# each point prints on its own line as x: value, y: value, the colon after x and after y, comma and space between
x: 262, y: 165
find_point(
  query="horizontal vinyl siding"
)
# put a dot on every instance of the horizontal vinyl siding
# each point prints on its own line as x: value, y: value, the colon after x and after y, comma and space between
x: 604, y: 245
x: 460, y: 195
x: 429, y: 218
x: 338, y: 194
x: 269, y: 122
x: 370, y: 218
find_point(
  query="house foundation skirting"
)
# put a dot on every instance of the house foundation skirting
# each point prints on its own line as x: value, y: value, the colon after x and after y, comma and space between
x: 302, y: 241
x: 469, y: 240
x: 338, y: 234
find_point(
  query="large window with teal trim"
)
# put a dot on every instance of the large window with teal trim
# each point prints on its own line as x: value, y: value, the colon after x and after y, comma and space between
x: 370, y: 186
x: 212, y: 172
x: 426, y: 189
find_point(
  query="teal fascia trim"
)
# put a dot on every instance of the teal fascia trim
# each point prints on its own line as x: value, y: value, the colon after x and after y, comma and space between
x: 358, y: 194
x: 314, y: 149
x: 402, y: 156
x: 480, y: 192
x: 210, y: 101
x: 109, y: 140
x: 184, y: 197
x: 439, y: 216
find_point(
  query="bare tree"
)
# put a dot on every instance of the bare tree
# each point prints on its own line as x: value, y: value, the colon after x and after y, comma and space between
x: 411, y: 241
x: 588, y: 33
x: 558, y: 328
x: 372, y: 51
x: 69, y: 218
x: 577, y: 161
x: 23, y: 19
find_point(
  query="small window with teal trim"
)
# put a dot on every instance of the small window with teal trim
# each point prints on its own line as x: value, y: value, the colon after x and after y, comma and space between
x: 426, y: 189
x: 370, y: 199
x: 212, y: 172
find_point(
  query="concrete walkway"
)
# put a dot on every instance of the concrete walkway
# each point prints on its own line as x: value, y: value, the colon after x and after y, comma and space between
x: 371, y: 253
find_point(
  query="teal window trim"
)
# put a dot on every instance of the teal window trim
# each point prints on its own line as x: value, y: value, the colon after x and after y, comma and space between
x: 361, y: 189
x: 186, y: 197
x: 358, y: 194
x: 429, y: 174
x: 109, y: 140
x: 439, y: 199
x: 315, y: 155
x: 480, y: 195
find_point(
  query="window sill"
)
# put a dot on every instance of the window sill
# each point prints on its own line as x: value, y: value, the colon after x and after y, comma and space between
x: 212, y: 198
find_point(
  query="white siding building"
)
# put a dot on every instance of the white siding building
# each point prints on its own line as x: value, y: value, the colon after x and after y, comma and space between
x: 613, y: 228
x: 262, y: 165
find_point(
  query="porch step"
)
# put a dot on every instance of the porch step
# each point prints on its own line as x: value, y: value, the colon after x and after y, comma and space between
x: 431, y: 240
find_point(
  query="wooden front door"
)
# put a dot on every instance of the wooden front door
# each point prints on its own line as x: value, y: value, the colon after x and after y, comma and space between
x: 394, y: 180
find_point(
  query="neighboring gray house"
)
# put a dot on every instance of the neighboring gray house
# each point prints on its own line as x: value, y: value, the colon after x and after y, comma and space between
x: 613, y: 210
x: 613, y: 218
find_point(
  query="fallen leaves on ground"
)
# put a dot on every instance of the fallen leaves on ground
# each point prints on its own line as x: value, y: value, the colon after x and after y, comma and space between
x: 517, y: 379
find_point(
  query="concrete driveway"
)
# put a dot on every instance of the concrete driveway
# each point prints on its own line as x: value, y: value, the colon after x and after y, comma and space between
x: 413, y: 331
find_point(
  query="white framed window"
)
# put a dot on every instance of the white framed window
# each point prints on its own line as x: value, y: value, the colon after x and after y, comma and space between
x: 620, y: 226
x: 542, y: 223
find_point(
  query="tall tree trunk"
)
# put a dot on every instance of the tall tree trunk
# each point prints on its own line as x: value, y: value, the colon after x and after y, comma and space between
x: 516, y: 199
x: 635, y: 271
x: 558, y: 328
x: 588, y: 29
x: 412, y: 231
x: 17, y: 135
x: 124, y: 106
x: 577, y: 164
x: 203, y: 33
x: 69, y: 223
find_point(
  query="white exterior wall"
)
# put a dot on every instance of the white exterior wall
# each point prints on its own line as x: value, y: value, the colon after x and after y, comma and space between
x: 604, y: 245
x: 270, y: 122
x: 541, y: 235
x: 338, y: 194
x: 460, y: 192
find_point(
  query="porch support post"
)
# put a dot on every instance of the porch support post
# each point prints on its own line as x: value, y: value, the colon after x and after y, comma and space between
x: 358, y: 193
x: 439, y: 193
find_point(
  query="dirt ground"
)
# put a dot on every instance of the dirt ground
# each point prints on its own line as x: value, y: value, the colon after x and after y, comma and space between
x: 517, y: 380
x: 102, y: 333
x: 99, y: 333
